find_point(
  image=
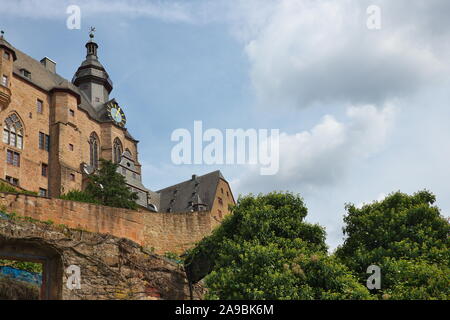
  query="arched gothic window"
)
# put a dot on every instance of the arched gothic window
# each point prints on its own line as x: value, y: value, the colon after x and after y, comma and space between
x: 93, y: 150
x: 13, y: 131
x: 117, y: 150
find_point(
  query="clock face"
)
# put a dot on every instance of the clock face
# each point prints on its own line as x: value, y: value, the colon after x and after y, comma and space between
x: 116, y: 114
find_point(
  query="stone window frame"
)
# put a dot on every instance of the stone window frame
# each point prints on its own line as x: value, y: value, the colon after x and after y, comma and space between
x: 12, y: 180
x: 94, y: 145
x: 13, y: 131
x: 13, y: 158
x: 39, y: 106
x: 117, y: 150
x: 44, y: 141
x: 43, y: 192
x: 44, y: 170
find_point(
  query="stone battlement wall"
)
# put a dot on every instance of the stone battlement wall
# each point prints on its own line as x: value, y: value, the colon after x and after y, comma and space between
x: 162, y: 232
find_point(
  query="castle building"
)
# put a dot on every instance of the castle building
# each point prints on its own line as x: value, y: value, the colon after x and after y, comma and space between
x: 55, y: 131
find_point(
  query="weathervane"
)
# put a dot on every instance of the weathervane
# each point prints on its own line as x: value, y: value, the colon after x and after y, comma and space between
x: 91, y: 32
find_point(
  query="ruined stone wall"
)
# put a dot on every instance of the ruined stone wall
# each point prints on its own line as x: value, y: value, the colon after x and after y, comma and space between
x: 111, y: 267
x: 161, y: 232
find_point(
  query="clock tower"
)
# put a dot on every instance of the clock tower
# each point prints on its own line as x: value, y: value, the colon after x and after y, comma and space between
x: 91, y: 77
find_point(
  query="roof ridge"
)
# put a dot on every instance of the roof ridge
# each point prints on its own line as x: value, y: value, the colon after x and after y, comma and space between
x: 180, y: 183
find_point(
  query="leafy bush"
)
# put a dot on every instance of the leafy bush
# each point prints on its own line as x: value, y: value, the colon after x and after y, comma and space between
x: 405, y: 236
x: 264, y: 250
x: 4, y: 187
x: 80, y: 196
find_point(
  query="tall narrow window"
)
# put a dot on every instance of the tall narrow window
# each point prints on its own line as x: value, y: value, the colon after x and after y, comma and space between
x: 93, y: 148
x: 13, y: 131
x: 117, y: 150
x: 44, y: 170
x: 44, y: 141
x: 13, y: 158
x: 39, y: 106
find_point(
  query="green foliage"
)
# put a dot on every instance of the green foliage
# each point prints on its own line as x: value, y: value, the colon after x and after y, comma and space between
x: 4, y: 187
x: 264, y: 250
x: 80, y: 196
x: 414, y: 280
x: 174, y: 257
x: 22, y: 265
x: 107, y: 187
x: 407, y: 238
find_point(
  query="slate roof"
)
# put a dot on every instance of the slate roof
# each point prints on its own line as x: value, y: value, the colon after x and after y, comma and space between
x: 180, y: 197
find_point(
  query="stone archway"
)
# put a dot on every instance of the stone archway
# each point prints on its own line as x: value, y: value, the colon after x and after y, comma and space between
x: 29, y: 250
x: 110, y: 268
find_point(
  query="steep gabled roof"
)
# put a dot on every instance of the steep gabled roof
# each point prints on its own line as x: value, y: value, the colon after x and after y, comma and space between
x: 180, y: 197
x: 47, y: 80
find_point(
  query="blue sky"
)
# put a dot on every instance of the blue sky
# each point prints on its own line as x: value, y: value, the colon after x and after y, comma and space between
x: 362, y: 112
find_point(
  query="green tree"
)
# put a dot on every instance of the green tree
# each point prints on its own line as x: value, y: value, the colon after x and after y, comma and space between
x: 106, y: 187
x: 264, y: 250
x: 109, y: 187
x: 407, y: 237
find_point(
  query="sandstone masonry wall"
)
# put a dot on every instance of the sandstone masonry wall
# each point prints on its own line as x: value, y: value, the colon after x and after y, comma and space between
x: 161, y: 232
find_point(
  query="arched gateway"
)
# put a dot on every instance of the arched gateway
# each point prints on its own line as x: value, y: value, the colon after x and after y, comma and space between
x: 37, y: 251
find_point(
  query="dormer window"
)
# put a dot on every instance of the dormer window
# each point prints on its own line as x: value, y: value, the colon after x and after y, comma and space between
x: 25, y: 73
x: 6, y: 55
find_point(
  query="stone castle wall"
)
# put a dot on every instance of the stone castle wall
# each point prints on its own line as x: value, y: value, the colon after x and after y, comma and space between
x: 110, y: 268
x: 162, y: 232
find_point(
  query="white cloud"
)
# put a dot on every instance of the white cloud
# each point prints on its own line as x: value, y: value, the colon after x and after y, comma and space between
x: 177, y: 11
x: 322, y: 155
x: 304, y: 52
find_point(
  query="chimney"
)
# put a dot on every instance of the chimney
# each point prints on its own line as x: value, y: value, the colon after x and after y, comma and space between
x: 194, y: 177
x: 49, y: 64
